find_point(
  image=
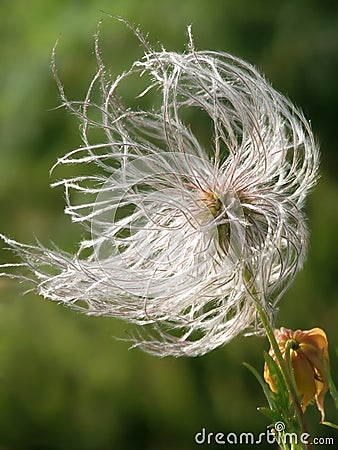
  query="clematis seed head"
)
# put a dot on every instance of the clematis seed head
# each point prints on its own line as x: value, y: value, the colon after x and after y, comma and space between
x: 182, y: 237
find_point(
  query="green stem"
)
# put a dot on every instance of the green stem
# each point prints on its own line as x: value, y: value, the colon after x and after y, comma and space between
x: 283, y: 367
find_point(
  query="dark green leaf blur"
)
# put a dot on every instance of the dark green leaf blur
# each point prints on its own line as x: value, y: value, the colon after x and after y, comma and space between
x: 65, y: 381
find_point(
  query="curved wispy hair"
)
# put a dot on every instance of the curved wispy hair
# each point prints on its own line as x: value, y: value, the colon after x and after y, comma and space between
x: 185, y: 237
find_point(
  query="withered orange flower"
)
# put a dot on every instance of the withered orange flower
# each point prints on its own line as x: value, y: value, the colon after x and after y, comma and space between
x: 309, y: 356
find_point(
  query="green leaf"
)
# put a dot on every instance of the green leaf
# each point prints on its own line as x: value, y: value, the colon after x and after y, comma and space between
x: 270, y: 413
x: 333, y: 389
x: 282, y: 393
x: 330, y: 424
x: 263, y: 384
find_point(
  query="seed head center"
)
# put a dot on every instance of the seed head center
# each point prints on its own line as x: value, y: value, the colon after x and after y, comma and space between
x: 213, y: 203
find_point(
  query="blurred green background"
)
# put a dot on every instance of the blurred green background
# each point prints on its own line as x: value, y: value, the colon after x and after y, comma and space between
x: 65, y: 382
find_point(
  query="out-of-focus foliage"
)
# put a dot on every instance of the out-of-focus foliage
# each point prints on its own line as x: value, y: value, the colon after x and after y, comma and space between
x: 65, y: 383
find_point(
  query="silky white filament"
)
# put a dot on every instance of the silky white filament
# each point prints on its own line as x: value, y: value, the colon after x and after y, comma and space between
x: 183, y: 237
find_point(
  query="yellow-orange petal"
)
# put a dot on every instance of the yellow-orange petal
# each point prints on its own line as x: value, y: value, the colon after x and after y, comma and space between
x: 304, y: 377
x: 316, y: 339
x: 268, y: 378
